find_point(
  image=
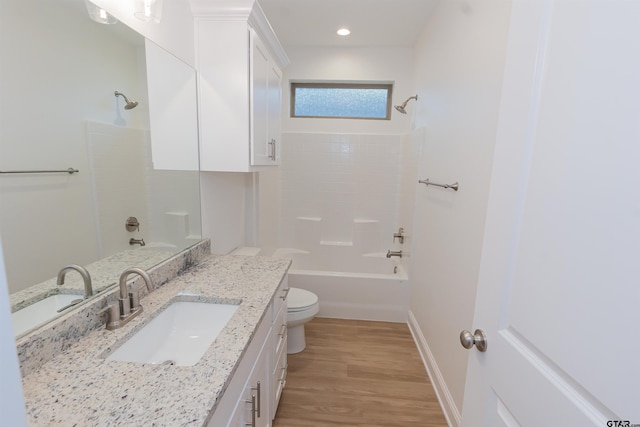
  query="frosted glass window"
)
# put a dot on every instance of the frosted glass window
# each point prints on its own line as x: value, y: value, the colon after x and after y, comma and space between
x: 341, y: 100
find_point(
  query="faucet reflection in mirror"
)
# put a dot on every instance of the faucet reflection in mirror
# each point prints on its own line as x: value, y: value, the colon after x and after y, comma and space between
x: 86, y: 277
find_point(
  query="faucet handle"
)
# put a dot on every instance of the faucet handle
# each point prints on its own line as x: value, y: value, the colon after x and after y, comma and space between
x: 113, y: 312
x: 134, y: 298
x: 399, y: 235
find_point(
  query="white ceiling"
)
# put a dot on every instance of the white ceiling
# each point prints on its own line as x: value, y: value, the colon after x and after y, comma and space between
x: 372, y: 22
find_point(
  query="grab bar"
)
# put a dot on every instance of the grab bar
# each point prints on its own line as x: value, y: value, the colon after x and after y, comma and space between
x: 70, y: 171
x: 453, y: 186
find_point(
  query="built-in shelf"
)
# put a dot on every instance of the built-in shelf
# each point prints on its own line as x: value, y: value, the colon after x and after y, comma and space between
x: 285, y: 252
x: 375, y: 255
x: 334, y: 243
x: 309, y: 218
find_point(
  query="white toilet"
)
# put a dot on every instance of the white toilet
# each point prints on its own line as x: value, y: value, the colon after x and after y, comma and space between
x: 302, y: 306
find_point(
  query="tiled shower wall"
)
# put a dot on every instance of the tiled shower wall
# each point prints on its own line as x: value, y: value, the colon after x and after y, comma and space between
x: 340, y: 194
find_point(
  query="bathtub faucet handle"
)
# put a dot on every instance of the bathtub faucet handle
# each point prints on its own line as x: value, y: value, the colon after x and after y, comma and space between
x: 399, y: 235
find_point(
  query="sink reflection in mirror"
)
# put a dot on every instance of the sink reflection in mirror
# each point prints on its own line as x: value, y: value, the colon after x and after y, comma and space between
x: 179, y: 335
x: 42, y: 311
x: 59, y: 111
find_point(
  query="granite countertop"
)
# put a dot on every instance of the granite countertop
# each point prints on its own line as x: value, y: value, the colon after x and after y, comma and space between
x: 80, y: 387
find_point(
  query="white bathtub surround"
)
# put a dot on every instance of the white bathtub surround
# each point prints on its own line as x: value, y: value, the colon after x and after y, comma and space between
x: 340, y: 190
x: 43, y: 344
x: 122, y: 393
x: 362, y: 296
x: 372, y: 287
x: 340, y: 200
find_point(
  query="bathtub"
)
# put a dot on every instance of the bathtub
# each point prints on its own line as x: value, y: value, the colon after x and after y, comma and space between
x: 371, y: 287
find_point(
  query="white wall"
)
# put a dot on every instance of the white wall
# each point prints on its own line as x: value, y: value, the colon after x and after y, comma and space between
x: 458, y: 73
x: 224, y: 209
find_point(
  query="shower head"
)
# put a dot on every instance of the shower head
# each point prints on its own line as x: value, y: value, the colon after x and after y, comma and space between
x: 402, y: 107
x: 130, y: 104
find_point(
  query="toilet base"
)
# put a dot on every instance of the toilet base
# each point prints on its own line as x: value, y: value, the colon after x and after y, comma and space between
x: 295, y: 339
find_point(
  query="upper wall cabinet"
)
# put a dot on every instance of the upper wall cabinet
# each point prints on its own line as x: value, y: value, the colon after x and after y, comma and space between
x: 239, y: 61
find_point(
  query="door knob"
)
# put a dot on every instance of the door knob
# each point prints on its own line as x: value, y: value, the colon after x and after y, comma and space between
x: 478, y: 338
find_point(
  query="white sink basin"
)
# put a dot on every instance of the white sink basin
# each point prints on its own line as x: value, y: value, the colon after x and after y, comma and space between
x: 40, y: 312
x: 180, y: 335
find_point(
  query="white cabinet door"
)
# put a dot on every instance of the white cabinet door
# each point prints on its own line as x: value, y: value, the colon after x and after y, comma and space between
x: 558, y: 289
x: 260, y: 70
x: 254, y: 406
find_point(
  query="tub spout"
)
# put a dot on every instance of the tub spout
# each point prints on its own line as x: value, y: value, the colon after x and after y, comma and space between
x: 391, y: 253
x: 133, y: 241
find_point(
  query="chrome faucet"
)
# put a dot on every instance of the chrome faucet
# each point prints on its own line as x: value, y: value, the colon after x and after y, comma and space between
x: 399, y: 235
x: 133, y: 241
x: 86, y: 277
x: 391, y: 253
x: 128, y: 305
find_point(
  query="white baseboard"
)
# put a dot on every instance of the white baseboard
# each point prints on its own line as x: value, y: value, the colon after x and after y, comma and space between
x: 447, y: 404
x: 380, y: 313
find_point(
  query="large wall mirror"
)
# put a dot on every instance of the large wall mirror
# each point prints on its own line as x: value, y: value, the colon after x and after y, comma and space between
x: 58, y: 110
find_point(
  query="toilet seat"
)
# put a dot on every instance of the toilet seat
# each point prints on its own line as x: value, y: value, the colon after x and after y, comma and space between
x: 300, y: 300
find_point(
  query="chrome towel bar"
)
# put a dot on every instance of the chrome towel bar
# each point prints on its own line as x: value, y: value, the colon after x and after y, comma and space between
x: 70, y: 171
x: 453, y: 186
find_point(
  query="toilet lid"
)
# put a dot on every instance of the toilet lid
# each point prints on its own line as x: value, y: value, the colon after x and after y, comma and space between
x: 299, y: 299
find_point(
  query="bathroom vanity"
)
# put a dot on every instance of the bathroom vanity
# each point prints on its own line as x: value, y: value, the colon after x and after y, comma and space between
x: 236, y: 382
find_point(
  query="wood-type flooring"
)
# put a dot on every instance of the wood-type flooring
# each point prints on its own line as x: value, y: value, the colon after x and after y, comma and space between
x: 358, y: 373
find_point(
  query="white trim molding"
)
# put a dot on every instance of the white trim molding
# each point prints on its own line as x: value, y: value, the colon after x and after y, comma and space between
x: 451, y: 413
x: 249, y: 11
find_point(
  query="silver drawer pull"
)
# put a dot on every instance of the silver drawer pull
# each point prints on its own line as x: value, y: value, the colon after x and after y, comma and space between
x: 253, y: 411
x: 283, y: 330
x: 286, y: 292
x: 257, y: 388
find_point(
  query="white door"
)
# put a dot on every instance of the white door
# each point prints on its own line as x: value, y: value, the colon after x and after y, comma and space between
x: 559, y: 287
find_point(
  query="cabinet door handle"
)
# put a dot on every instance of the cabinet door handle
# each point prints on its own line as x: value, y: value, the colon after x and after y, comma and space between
x: 284, y: 374
x: 283, y: 330
x: 253, y: 411
x: 286, y: 292
x: 257, y: 389
x: 272, y: 144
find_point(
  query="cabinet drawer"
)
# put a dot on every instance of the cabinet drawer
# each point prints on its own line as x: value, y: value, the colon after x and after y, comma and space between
x: 280, y: 330
x: 279, y: 378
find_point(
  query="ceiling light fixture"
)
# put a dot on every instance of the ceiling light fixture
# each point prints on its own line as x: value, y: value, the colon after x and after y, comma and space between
x: 98, y: 14
x: 148, y: 10
x: 343, y: 32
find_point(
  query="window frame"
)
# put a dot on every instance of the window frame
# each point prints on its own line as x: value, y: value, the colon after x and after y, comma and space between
x: 341, y: 85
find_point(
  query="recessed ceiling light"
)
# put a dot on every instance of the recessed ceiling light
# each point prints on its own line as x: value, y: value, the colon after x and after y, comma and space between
x: 343, y: 32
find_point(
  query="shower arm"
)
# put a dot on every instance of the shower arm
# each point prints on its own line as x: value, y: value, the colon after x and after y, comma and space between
x: 404, y: 104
